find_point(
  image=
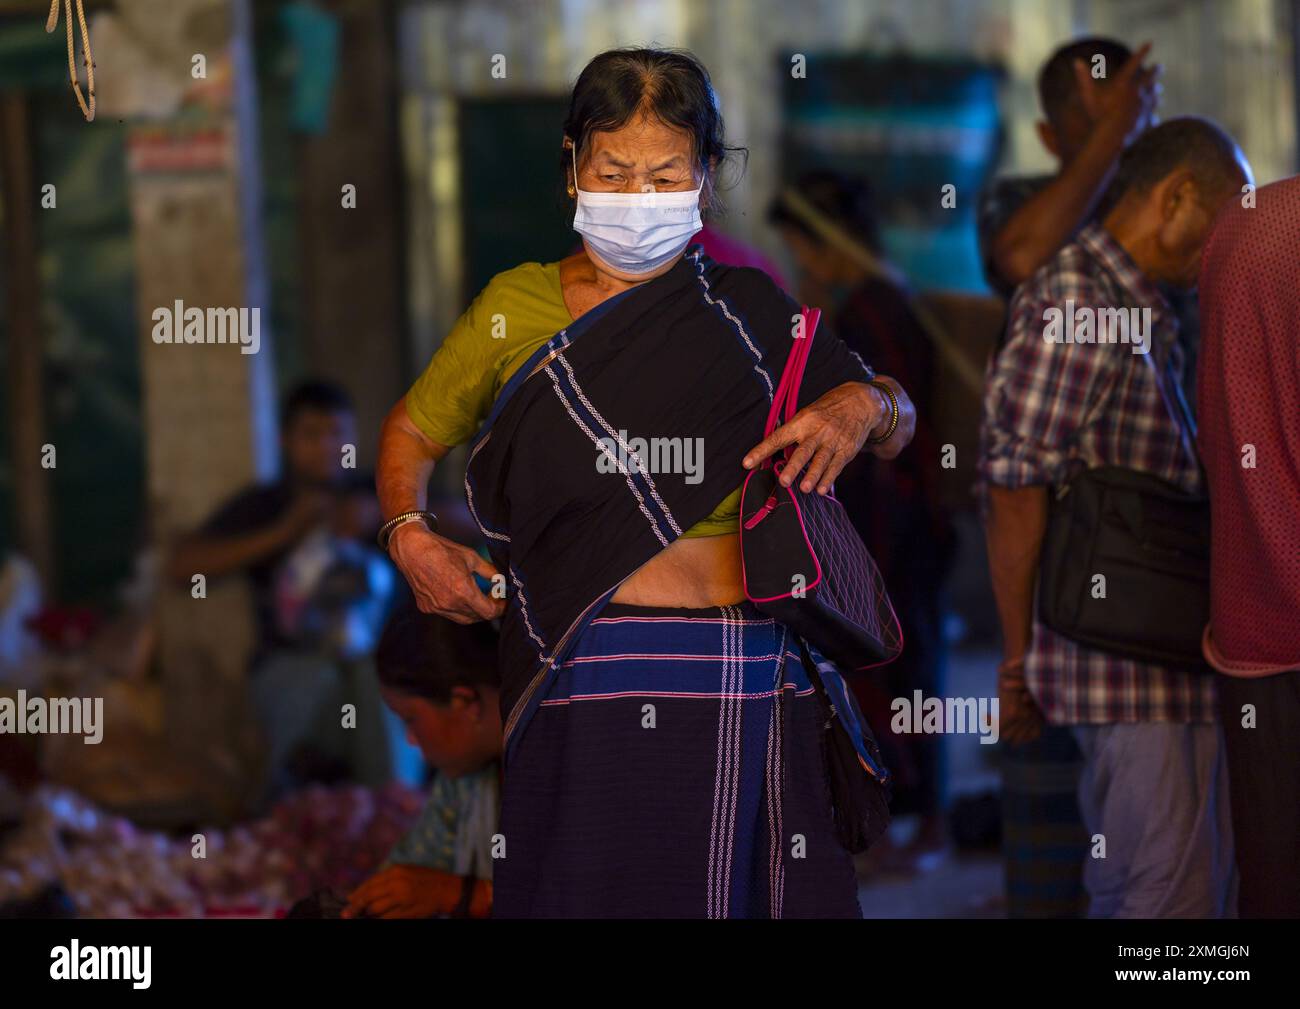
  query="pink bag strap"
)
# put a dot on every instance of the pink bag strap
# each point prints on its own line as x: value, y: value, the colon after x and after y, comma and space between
x: 786, y: 398
x: 811, y: 316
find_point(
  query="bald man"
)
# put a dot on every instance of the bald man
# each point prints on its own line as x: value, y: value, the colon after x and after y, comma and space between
x: 1154, y: 781
x: 1249, y: 381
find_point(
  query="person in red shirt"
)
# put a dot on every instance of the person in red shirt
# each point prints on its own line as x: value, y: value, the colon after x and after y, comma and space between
x: 1249, y: 437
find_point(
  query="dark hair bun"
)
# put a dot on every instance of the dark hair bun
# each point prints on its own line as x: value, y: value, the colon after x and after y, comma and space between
x: 428, y: 655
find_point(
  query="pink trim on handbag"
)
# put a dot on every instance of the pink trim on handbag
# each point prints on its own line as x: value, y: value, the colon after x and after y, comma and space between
x: 787, y: 396
x: 787, y: 389
x: 758, y: 516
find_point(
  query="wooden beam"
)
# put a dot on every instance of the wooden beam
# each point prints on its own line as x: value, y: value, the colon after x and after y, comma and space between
x: 25, y: 359
x: 353, y: 314
x: 41, y: 8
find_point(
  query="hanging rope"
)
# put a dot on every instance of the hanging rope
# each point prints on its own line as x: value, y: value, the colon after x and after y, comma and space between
x: 87, y: 109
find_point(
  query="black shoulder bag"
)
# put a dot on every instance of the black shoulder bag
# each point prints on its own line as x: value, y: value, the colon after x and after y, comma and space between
x: 801, y: 559
x: 1150, y: 540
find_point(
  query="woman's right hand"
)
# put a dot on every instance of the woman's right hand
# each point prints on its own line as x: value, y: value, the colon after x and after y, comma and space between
x: 441, y: 574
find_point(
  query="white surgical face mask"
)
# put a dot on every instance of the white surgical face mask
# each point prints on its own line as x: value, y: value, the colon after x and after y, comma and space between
x: 636, y: 232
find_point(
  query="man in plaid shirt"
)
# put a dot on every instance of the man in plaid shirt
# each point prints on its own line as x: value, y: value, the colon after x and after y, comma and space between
x: 1096, y: 97
x: 1154, y: 783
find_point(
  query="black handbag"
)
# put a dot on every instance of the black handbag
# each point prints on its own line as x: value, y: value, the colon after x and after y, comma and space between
x: 804, y: 564
x: 802, y: 560
x: 1150, y: 541
x: 859, y: 797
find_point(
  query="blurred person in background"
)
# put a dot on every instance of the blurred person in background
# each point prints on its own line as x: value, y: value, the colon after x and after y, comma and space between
x: 1250, y: 443
x: 1022, y: 223
x: 1154, y: 781
x: 1097, y: 98
x: 1087, y: 122
x: 897, y: 508
x: 441, y: 679
x: 320, y: 590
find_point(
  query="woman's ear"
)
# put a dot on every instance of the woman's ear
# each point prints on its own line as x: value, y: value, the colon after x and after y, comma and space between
x: 570, y: 167
x: 706, y: 186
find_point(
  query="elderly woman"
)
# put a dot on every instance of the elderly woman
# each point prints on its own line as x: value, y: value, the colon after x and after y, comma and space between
x: 664, y: 752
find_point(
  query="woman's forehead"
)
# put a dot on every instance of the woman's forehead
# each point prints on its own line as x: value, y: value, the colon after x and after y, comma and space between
x: 643, y: 139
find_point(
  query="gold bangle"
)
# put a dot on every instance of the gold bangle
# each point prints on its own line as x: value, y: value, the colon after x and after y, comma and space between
x: 893, y: 413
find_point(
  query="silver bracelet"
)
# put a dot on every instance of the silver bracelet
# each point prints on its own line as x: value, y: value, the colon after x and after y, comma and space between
x: 386, y: 530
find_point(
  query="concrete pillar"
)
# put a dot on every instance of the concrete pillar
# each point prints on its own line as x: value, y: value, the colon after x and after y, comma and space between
x: 209, y: 409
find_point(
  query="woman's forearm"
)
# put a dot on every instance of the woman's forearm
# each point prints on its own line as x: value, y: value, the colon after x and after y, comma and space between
x: 439, y: 571
x: 406, y: 461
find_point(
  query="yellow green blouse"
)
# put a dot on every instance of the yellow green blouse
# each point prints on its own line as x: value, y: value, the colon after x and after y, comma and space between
x: 516, y: 313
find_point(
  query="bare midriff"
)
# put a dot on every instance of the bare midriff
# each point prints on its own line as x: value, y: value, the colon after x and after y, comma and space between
x: 695, y: 571
x: 691, y: 573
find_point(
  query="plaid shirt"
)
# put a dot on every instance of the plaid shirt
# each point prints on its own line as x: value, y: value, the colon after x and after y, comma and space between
x: 1049, y: 406
x: 999, y: 202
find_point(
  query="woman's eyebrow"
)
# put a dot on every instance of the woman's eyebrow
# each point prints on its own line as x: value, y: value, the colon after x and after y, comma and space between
x: 611, y: 160
x: 674, y: 161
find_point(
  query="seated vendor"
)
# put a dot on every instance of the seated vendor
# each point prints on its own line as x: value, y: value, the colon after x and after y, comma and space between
x: 441, y: 679
x: 304, y: 544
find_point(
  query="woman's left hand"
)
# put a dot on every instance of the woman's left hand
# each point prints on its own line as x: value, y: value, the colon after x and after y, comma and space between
x: 832, y: 430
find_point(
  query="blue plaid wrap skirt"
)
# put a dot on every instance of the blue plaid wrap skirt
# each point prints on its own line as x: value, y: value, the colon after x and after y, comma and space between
x: 674, y: 768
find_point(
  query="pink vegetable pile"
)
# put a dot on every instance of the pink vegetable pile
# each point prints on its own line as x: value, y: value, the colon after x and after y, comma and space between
x: 320, y: 837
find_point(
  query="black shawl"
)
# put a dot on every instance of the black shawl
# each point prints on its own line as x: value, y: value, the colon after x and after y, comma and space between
x: 693, y: 354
